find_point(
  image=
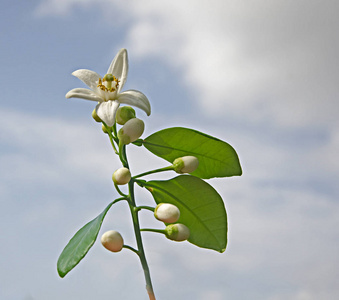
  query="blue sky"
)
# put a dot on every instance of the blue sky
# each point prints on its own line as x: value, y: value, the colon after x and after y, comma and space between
x: 260, y: 75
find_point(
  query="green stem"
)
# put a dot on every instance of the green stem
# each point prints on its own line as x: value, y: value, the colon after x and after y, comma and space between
x: 154, y: 230
x: 119, y: 199
x: 111, y: 137
x: 131, y: 248
x: 136, y: 226
x: 119, y: 191
x: 115, y: 129
x: 144, y: 207
x: 122, y: 154
x: 169, y: 168
x: 141, y: 251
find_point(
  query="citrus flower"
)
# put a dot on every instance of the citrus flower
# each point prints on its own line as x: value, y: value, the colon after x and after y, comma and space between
x: 106, y: 90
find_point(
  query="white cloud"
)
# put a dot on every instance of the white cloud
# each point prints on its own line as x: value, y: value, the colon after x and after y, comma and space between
x: 265, y: 61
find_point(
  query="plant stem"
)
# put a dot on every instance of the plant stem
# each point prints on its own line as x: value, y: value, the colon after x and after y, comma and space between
x: 169, y: 168
x: 132, y: 249
x: 119, y: 191
x: 136, y: 226
x: 154, y: 230
x: 145, y: 207
x: 141, y: 251
x: 111, y: 137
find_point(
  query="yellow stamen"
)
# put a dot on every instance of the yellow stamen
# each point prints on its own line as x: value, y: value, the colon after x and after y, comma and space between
x: 108, y: 87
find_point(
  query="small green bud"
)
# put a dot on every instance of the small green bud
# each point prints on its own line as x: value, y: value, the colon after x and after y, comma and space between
x: 177, y: 232
x: 121, y: 176
x: 124, y: 113
x: 95, y: 116
x: 112, y: 241
x: 131, y: 131
x: 167, y: 213
x: 185, y: 164
x: 104, y: 129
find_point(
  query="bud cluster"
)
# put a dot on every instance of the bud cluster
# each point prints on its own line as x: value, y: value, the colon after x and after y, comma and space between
x: 169, y: 213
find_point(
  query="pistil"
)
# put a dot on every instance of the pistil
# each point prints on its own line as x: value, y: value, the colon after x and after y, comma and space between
x: 108, y: 79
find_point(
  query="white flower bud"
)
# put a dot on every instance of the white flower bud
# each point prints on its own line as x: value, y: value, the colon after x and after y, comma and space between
x: 124, y: 113
x: 121, y: 176
x: 185, y: 164
x: 177, y: 232
x: 167, y: 213
x: 131, y: 131
x: 112, y: 241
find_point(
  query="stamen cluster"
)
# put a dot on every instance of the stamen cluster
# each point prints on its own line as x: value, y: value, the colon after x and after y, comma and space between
x: 109, y: 78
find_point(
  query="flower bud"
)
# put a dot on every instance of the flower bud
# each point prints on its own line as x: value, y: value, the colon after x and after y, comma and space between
x: 121, y: 176
x: 131, y: 131
x: 95, y: 116
x: 124, y: 113
x: 167, y: 213
x: 177, y: 232
x: 112, y: 241
x: 185, y: 164
x: 104, y: 129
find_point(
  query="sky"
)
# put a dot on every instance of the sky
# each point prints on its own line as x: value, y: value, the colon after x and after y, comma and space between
x: 260, y: 75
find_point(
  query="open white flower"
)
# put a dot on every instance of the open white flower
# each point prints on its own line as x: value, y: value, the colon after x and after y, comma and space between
x: 106, y: 90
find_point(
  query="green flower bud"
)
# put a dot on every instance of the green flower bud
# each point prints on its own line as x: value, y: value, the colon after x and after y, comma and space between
x: 121, y: 176
x: 185, y: 164
x: 177, y: 232
x: 124, y: 113
x: 131, y: 131
x: 103, y: 127
x: 167, y: 213
x: 95, y: 116
x: 112, y: 241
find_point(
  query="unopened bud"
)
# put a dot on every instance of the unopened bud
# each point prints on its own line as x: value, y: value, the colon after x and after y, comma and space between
x: 124, y: 113
x: 167, y: 213
x: 112, y: 241
x: 121, y: 176
x: 104, y: 129
x: 131, y: 131
x: 185, y: 164
x: 177, y: 232
x: 95, y: 116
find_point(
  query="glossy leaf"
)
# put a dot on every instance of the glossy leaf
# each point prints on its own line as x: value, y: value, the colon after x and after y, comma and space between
x: 201, y: 208
x: 79, y: 245
x: 216, y: 157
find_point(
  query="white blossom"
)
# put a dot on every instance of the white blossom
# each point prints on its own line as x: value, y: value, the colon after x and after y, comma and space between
x: 106, y: 90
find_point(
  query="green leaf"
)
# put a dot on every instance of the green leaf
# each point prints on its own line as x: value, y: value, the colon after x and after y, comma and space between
x: 79, y: 245
x: 216, y: 157
x: 201, y: 208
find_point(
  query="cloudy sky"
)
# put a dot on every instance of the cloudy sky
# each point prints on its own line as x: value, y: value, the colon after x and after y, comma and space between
x: 261, y: 75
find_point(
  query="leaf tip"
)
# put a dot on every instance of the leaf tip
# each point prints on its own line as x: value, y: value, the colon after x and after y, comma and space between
x: 61, y: 273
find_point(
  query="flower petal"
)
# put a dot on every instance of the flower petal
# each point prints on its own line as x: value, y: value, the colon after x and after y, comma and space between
x: 89, y: 77
x: 106, y: 111
x: 135, y: 98
x: 84, y: 94
x: 119, y: 67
